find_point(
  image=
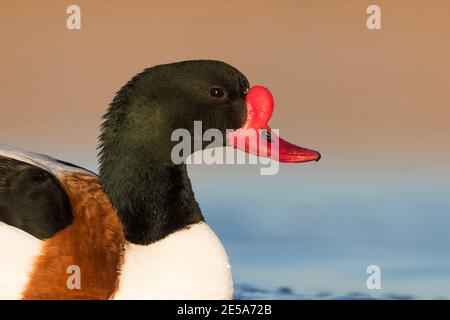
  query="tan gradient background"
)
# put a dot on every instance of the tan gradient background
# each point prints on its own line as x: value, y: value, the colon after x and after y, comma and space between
x: 376, y: 99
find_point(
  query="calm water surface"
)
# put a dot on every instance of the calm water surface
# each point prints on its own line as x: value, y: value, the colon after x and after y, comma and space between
x: 310, y: 232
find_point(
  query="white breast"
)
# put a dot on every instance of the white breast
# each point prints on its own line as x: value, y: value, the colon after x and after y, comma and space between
x: 188, y: 264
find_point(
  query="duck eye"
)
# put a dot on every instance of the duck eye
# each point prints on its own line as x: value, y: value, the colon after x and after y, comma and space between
x: 217, y: 92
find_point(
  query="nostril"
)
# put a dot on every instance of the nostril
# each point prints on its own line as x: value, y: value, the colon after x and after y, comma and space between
x: 266, y: 135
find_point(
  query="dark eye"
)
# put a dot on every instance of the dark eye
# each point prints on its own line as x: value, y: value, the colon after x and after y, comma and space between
x: 217, y: 92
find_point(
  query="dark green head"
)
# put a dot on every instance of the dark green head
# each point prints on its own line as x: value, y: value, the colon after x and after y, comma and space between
x: 161, y: 99
x: 135, y: 141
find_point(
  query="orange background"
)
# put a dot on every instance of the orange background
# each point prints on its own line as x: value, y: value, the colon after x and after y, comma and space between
x: 366, y: 98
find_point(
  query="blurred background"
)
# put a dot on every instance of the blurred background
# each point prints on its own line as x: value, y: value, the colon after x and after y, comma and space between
x: 376, y: 104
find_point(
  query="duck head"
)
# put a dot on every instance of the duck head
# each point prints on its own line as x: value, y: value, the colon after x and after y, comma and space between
x: 153, y: 195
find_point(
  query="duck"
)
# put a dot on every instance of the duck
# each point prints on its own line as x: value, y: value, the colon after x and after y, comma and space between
x: 135, y: 229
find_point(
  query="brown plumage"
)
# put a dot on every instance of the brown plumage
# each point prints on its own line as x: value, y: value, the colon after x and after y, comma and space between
x: 94, y: 242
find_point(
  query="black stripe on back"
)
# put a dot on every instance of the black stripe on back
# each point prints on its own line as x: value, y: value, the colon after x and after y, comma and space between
x: 75, y: 166
x: 32, y: 199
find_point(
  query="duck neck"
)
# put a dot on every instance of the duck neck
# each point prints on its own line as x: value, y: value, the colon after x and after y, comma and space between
x: 152, y: 199
x: 152, y: 195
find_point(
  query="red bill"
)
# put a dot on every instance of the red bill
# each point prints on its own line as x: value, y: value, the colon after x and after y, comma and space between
x: 256, y: 137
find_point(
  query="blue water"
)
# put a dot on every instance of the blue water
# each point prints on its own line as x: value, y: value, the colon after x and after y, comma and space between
x: 310, y: 232
x: 249, y: 292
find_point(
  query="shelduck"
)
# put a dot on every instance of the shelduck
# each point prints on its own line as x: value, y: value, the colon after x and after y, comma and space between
x: 135, y: 231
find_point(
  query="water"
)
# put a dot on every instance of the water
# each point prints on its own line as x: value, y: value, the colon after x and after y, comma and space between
x: 313, y: 232
x: 249, y: 292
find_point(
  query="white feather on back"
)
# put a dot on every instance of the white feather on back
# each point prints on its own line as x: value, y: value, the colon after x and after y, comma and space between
x: 42, y: 161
